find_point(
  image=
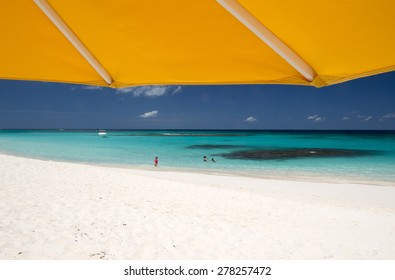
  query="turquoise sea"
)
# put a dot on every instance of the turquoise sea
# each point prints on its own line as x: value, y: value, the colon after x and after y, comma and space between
x: 337, y: 156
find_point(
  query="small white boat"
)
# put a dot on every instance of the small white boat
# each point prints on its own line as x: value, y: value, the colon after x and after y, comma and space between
x: 102, y: 133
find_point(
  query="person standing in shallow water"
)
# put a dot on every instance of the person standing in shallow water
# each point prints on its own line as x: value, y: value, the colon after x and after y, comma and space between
x: 156, y: 160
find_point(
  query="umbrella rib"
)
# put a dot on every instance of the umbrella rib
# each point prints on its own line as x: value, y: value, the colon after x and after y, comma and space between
x: 73, y: 39
x: 262, y: 32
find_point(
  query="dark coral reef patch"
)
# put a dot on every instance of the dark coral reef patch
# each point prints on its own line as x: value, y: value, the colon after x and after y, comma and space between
x: 277, y: 154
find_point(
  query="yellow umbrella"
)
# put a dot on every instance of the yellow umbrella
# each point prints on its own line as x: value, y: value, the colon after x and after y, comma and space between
x: 122, y: 43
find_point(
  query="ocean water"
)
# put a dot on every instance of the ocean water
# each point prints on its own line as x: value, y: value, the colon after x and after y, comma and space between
x: 336, y: 156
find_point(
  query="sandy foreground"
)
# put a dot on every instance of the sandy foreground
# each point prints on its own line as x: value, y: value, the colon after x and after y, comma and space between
x: 58, y: 210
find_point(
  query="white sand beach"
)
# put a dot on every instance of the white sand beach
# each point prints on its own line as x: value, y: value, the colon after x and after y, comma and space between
x: 59, y: 210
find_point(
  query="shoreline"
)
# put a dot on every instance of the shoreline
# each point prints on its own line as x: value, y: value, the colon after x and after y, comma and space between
x: 61, y: 210
x: 269, y: 175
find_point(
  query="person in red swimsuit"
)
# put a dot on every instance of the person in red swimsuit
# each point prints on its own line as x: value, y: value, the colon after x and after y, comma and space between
x: 156, y: 161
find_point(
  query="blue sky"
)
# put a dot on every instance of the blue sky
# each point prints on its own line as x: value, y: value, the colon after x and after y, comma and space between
x: 367, y: 103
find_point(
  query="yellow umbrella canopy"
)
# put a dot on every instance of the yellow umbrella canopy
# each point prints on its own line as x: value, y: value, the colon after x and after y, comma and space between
x: 121, y: 43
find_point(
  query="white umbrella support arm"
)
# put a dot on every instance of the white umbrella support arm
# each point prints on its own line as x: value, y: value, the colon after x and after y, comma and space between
x: 262, y: 32
x: 69, y: 34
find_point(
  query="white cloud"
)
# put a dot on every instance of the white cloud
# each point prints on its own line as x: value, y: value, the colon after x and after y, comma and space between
x: 389, y: 116
x: 151, y: 114
x: 364, y: 118
x: 150, y: 91
x: 126, y: 90
x: 319, y: 119
x: 92, y: 88
x: 176, y: 90
x: 312, y: 117
x: 346, y: 118
x: 316, y: 118
x: 250, y: 119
